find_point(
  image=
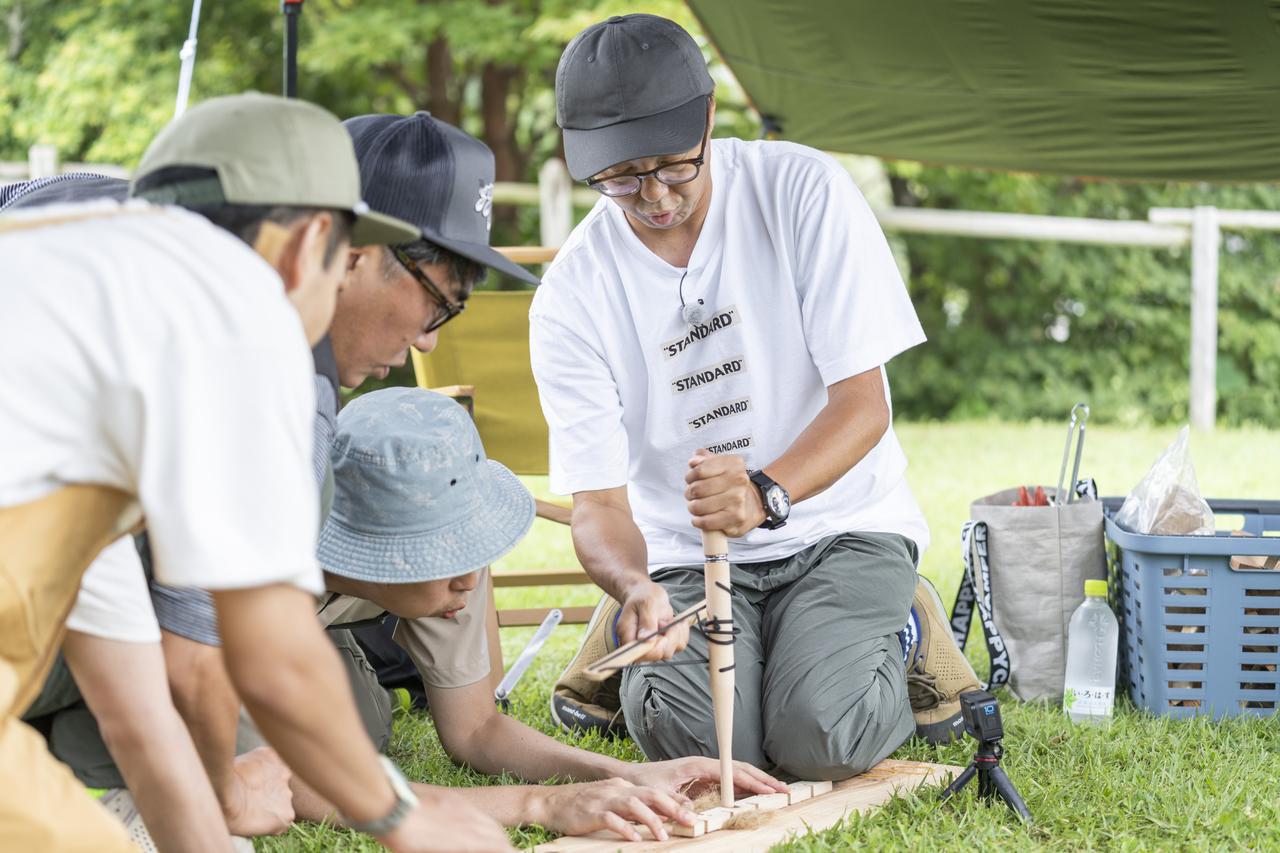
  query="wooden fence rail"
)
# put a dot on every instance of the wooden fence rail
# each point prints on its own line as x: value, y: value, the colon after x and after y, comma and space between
x: 556, y: 196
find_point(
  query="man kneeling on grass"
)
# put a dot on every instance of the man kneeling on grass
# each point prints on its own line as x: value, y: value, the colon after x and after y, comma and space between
x: 418, y: 511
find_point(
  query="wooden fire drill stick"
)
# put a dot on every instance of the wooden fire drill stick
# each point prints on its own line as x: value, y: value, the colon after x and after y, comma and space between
x: 719, y: 633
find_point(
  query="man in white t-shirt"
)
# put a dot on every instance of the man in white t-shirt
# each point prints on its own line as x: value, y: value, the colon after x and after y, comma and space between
x: 710, y: 342
x: 133, y: 336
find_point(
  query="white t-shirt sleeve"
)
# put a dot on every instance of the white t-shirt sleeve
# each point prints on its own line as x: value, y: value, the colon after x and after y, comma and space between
x: 225, y: 471
x: 588, y: 444
x: 114, y: 602
x: 854, y: 307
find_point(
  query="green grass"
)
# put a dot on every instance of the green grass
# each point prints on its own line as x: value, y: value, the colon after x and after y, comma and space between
x: 1146, y: 783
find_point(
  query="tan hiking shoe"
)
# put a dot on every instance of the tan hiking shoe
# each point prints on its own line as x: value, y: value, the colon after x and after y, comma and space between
x: 579, y: 703
x: 937, y: 671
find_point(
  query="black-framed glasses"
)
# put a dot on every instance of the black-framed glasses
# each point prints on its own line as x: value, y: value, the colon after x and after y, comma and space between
x: 671, y: 174
x: 448, y: 310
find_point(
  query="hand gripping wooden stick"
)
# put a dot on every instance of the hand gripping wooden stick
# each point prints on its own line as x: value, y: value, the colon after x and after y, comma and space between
x: 719, y: 633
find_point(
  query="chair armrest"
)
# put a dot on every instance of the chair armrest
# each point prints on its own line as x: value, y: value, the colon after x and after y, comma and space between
x: 556, y: 512
x: 464, y: 394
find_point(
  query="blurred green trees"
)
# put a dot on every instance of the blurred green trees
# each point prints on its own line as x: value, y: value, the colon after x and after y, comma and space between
x: 1020, y: 329
x: 1017, y: 329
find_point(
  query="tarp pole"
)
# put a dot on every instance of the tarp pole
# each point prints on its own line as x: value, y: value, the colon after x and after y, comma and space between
x: 188, y: 67
x: 292, y: 11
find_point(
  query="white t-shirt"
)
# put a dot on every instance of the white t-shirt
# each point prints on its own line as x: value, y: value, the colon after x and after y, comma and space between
x: 114, y: 601
x: 801, y: 291
x: 146, y: 349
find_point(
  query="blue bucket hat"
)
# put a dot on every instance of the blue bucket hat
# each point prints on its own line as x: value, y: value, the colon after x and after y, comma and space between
x: 415, y: 498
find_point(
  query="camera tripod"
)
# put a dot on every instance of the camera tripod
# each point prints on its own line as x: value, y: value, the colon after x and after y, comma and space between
x: 992, y: 781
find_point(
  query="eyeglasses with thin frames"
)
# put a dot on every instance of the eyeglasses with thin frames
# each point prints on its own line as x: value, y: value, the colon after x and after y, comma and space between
x: 671, y: 174
x: 448, y: 310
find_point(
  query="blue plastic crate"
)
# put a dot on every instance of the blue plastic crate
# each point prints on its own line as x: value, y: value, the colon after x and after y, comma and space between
x: 1197, y: 636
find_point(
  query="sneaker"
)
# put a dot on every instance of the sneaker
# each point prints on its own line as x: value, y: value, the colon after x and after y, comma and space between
x: 579, y: 703
x: 937, y: 671
x: 119, y: 802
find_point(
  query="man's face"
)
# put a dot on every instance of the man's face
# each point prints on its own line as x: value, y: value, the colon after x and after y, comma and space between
x: 660, y: 206
x: 657, y: 205
x: 382, y: 311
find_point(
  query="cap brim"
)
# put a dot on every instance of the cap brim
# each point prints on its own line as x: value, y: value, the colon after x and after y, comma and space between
x: 589, y: 152
x: 378, y: 229
x: 482, y: 254
x: 473, y: 543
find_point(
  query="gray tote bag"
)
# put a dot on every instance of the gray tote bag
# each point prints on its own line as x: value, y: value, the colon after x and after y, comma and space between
x: 1025, y: 568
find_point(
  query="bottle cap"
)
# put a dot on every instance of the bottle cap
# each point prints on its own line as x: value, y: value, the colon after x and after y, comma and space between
x: 1095, y: 588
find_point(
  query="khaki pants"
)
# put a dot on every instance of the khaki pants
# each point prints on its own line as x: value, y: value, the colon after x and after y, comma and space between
x: 45, y: 547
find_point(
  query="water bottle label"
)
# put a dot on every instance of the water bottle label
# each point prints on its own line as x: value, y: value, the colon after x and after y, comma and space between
x: 1093, y: 701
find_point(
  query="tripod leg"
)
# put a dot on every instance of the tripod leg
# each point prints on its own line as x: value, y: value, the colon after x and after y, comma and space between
x: 959, y: 782
x: 1009, y: 794
x: 986, y: 789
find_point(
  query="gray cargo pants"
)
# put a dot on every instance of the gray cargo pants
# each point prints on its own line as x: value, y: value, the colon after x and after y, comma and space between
x: 820, y: 691
x: 62, y: 716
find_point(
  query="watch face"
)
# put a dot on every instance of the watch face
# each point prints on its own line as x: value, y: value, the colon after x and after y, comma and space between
x: 779, y: 505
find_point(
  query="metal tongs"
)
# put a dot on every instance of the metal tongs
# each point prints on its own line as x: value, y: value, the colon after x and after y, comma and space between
x: 1082, y: 419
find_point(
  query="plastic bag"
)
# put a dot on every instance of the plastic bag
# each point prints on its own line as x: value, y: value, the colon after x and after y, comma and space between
x: 1167, y: 502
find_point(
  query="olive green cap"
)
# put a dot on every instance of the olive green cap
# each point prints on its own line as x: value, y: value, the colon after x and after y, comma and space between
x: 268, y: 150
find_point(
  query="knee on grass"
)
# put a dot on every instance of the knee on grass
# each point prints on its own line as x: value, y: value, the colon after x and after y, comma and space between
x: 664, y: 729
x: 810, y: 743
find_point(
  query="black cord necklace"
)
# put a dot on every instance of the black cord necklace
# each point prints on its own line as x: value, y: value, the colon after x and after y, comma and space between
x: 693, y: 313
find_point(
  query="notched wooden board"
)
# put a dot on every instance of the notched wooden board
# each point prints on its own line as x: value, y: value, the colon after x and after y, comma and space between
x: 821, y: 811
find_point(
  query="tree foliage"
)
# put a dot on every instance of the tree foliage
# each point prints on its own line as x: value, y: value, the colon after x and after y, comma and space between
x: 1017, y: 329
x: 97, y: 77
x: 1020, y: 329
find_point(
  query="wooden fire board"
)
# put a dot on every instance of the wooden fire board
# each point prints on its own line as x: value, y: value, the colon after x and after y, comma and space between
x: 860, y: 794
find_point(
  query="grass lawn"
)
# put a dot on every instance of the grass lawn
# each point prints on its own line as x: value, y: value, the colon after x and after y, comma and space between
x: 1146, y: 783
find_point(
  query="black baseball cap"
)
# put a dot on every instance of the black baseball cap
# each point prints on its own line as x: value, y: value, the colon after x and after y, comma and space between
x: 435, y: 176
x: 630, y: 87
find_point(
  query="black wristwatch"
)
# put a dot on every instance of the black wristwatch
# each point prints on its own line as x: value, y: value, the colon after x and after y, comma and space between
x: 777, y: 503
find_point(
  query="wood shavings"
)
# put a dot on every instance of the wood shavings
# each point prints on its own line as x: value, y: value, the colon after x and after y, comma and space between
x: 747, y: 819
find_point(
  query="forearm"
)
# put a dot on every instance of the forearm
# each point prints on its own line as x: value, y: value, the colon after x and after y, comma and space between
x: 124, y: 685
x: 293, y: 684
x: 509, y: 805
x: 204, y: 696
x: 838, y: 438
x: 503, y: 745
x: 609, y: 546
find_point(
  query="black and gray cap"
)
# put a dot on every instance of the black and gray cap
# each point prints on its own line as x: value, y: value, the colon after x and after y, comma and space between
x: 63, y: 189
x: 421, y: 170
x: 630, y: 87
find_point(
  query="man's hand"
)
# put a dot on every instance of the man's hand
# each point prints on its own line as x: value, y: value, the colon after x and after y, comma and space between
x: 258, y: 800
x: 721, y: 496
x: 645, y: 608
x: 693, y: 775
x: 612, y: 804
x: 446, y: 823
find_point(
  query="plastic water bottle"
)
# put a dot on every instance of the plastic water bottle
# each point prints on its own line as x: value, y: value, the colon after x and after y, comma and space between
x: 1092, y: 640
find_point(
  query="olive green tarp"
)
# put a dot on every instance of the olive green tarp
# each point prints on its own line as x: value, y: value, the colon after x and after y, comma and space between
x: 1134, y: 89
